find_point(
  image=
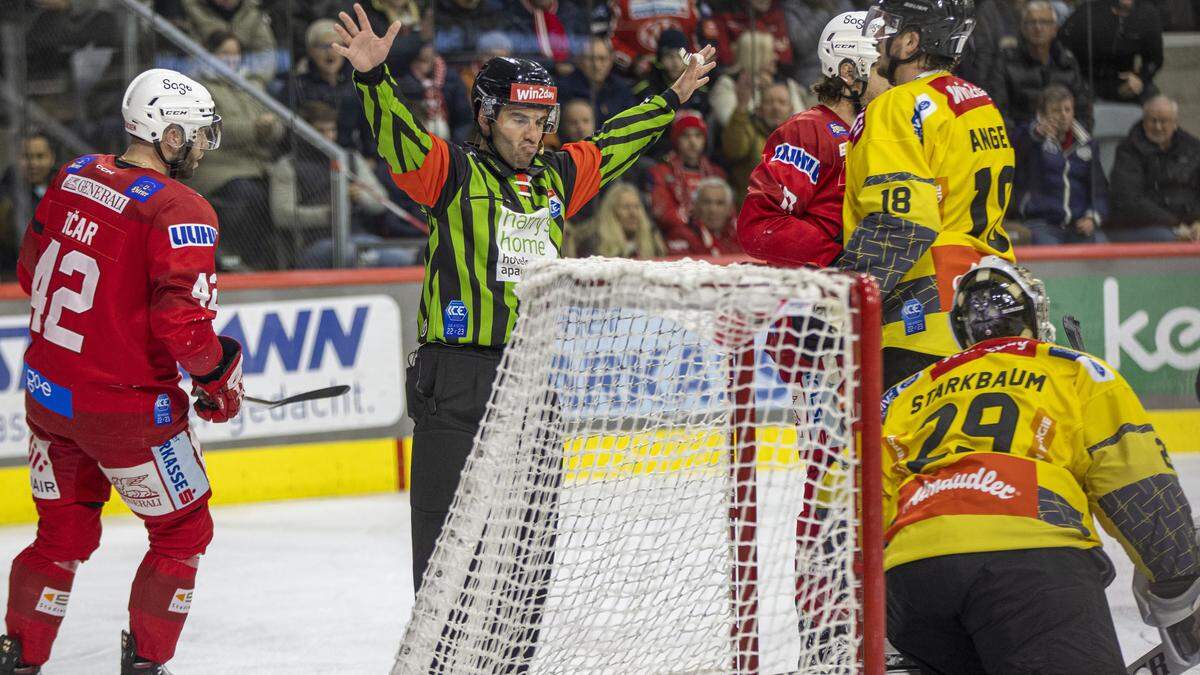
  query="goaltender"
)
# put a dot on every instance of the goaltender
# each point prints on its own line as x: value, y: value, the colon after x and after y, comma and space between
x: 997, y: 459
x: 491, y: 207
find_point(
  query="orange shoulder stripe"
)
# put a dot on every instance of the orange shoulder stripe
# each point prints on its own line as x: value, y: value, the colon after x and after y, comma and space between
x: 586, y: 156
x: 424, y: 184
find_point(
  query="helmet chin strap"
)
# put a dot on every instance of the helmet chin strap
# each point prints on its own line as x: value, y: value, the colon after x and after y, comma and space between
x: 894, y: 62
x: 173, y: 166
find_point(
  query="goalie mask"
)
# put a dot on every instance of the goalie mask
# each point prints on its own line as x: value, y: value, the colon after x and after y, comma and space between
x: 999, y: 299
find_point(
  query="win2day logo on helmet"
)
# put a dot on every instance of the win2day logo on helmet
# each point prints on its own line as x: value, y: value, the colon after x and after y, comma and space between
x: 533, y: 93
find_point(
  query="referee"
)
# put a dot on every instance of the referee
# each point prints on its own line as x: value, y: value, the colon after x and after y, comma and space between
x: 491, y: 208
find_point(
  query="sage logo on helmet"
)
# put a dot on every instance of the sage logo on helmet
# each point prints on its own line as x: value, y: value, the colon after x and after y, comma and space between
x: 159, y: 98
x: 510, y: 81
x: 845, y: 39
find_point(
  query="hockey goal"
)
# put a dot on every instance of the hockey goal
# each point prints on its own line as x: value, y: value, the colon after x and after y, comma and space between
x: 678, y: 472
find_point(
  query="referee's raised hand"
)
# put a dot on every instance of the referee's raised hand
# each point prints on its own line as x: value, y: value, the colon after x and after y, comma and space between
x: 695, y: 75
x: 359, y: 44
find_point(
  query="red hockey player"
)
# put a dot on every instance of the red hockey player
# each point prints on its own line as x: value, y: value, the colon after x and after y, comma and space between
x: 119, y: 263
x: 793, y: 210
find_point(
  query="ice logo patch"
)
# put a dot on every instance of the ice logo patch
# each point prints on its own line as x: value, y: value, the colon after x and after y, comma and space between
x: 913, y: 314
x: 162, y: 410
x: 80, y: 163
x: 555, y: 207
x: 921, y: 112
x: 455, y: 319
x: 192, y: 234
x: 799, y: 158
x: 143, y: 188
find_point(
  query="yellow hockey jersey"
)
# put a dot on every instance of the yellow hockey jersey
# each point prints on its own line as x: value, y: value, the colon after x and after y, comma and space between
x: 930, y: 161
x: 1015, y: 444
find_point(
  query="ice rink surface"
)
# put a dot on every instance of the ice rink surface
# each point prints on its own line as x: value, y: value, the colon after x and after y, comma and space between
x: 319, y: 586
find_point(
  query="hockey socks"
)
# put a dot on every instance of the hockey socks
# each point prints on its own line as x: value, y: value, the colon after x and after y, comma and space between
x: 159, y: 604
x: 38, y: 590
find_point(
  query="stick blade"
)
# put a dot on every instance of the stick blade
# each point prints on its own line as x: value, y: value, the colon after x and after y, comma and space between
x: 327, y: 392
x: 1074, y: 334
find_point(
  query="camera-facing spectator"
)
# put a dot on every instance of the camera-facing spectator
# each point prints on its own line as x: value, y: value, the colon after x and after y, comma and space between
x: 1037, y: 60
x: 755, y: 60
x: 436, y: 91
x: 764, y: 16
x: 673, y: 181
x: 37, y: 163
x: 234, y: 179
x: 578, y: 121
x: 621, y: 228
x: 1155, y: 178
x: 710, y: 230
x: 805, y: 19
x: 668, y: 65
x: 246, y: 20
x: 1126, y: 42
x: 322, y: 75
x: 746, y: 133
x: 637, y: 24
x: 1059, y: 189
x: 595, y: 80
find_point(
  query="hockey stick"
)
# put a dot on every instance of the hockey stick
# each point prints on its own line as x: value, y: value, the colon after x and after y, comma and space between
x: 1074, y: 334
x: 327, y: 392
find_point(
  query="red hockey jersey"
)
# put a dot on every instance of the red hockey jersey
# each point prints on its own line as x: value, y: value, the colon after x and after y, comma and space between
x: 120, y: 265
x: 793, y: 209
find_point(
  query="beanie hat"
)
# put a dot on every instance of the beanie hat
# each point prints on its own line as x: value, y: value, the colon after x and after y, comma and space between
x: 687, y: 119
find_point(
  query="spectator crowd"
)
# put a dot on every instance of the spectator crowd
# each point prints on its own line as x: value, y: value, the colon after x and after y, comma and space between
x: 1049, y: 65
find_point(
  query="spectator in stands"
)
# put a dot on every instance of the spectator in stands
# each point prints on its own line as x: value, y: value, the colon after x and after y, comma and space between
x: 1155, y: 178
x: 322, y: 75
x: 746, y: 134
x: 755, y: 60
x: 595, y: 81
x: 459, y: 27
x: 667, y: 67
x: 1059, y: 189
x: 301, y: 189
x: 37, y: 164
x: 547, y: 31
x: 234, y: 180
x: 290, y: 21
x: 710, y: 230
x: 621, y: 228
x: 578, y: 121
x: 764, y: 16
x: 997, y: 27
x: 1125, y: 37
x: 491, y: 44
x: 673, y: 182
x: 437, y: 90
x: 637, y: 24
x: 805, y: 19
x: 416, y: 23
x: 68, y: 44
x: 246, y: 20
x: 1037, y: 60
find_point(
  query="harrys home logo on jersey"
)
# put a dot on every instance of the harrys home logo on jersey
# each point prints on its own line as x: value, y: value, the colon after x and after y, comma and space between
x: 289, y: 346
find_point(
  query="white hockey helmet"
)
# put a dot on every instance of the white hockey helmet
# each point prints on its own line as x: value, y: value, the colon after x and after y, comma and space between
x: 160, y: 98
x: 843, y: 40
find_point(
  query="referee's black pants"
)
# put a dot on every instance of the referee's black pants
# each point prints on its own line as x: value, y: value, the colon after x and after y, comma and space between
x: 1038, y: 611
x: 448, y: 389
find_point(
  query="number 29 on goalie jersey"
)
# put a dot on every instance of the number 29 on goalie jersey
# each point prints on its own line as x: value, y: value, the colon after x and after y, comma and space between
x: 1014, y: 444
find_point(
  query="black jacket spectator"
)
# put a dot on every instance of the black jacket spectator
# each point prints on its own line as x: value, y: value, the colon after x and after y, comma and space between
x: 594, y: 80
x: 1153, y: 188
x: 1021, y: 78
x: 1117, y: 42
x: 1058, y: 183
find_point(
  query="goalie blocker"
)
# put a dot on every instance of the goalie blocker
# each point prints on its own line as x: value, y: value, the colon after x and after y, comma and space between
x: 997, y: 458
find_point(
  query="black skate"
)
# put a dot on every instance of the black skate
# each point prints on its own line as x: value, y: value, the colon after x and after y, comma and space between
x: 10, y: 658
x: 132, y: 664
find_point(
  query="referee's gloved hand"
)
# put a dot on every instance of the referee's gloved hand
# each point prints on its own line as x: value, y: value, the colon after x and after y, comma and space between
x: 219, y: 393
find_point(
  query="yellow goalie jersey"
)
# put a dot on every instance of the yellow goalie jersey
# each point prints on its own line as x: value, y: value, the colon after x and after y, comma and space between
x: 928, y: 177
x: 1015, y: 444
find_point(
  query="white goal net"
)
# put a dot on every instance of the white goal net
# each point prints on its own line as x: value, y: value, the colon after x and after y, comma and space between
x: 666, y: 480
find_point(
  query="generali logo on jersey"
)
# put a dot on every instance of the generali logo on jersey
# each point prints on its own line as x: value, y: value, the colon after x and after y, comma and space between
x: 983, y: 483
x: 533, y: 93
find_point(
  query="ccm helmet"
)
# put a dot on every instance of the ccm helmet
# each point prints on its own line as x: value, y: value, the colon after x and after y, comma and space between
x: 943, y: 25
x: 999, y: 299
x: 509, y: 81
x: 160, y: 99
x: 845, y: 38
